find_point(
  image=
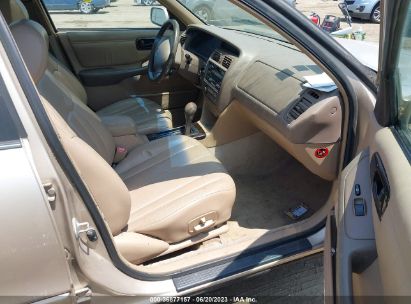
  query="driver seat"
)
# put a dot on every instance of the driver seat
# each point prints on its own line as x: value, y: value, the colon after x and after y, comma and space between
x: 148, y: 116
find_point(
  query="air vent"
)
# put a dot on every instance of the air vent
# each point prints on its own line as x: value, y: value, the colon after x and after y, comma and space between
x: 302, y: 105
x: 314, y: 94
x: 216, y: 56
x: 227, y: 62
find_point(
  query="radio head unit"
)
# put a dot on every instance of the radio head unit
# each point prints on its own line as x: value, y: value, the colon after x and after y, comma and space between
x: 215, y: 70
x: 213, y: 79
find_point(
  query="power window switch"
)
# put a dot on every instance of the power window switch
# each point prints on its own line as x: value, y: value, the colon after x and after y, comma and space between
x: 357, y: 190
x: 359, y: 207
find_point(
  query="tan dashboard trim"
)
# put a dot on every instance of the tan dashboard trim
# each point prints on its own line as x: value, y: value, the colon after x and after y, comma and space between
x: 230, y: 126
x: 237, y: 122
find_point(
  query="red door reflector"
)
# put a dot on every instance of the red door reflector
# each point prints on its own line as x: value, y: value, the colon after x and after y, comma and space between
x: 321, y: 153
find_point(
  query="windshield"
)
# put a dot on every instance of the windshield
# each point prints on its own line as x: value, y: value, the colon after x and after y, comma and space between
x: 337, y: 18
x: 223, y: 13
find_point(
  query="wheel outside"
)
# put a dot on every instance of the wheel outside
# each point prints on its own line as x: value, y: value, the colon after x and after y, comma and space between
x: 86, y: 7
x: 376, y: 14
x: 148, y: 2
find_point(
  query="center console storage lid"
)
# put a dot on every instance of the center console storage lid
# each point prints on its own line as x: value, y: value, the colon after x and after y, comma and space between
x: 119, y: 125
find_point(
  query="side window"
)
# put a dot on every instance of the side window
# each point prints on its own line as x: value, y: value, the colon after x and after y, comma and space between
x: 102, y: 14
x: 404, y: 75
x: 9, y: 136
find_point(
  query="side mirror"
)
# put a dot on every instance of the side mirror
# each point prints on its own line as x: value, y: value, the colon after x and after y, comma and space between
x: 159, y: 15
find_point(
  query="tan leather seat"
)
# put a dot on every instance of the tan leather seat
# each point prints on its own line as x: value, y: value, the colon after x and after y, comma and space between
x: 148, y: 116
x: 173, y: 181
x: 13, y: 10
x: 163, y: 192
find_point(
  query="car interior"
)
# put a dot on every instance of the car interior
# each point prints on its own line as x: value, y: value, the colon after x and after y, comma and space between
x: 220, y: 150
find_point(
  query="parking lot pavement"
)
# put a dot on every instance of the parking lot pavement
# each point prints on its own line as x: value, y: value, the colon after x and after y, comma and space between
x: 330, y: 7
x: 120, y: 14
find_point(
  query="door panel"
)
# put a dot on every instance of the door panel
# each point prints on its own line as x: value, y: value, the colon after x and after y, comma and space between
x: 356, y: 249
x: 173, y: 93
x: 119, y: 49
x: 385, y: 171
x: 393, y: 231
x: 368, y: 283
x: 373, y: 253
x: 106, y: 48
x: 329, y: 259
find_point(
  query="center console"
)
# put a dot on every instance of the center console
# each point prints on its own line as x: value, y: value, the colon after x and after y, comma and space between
x: 214, y: 73
x: 196, y: 132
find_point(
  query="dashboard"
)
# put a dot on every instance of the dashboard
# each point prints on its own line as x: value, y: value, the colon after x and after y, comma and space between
x: 204, y: 44
x: 266, y: 78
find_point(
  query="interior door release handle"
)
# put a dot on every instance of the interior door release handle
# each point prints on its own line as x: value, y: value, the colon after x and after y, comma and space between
x: 380, y: 185
x: 144, y: 44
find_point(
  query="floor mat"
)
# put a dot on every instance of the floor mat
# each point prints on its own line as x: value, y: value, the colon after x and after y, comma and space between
x: 301, y: 281
x: 263, y: 199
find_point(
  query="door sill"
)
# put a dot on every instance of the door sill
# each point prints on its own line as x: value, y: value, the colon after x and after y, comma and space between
x: 247, y: 262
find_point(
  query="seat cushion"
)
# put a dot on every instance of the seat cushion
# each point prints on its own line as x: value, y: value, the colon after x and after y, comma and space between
x: 148, y: 115
x: 173, y: 181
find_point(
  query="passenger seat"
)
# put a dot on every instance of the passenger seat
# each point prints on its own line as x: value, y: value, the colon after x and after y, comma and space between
x: 162, y: 193
x: 147, y: 115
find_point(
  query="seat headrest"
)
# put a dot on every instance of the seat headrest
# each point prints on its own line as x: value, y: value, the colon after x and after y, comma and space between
x: 13, y: 10
x: 33, y: 43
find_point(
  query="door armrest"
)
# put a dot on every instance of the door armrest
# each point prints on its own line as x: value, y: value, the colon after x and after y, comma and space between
x: 109, y: 76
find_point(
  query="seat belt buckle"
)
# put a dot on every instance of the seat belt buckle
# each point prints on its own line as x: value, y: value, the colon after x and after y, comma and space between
x: 121, y: 153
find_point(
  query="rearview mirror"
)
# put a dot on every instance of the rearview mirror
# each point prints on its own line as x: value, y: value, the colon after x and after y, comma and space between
x: 159, y: 15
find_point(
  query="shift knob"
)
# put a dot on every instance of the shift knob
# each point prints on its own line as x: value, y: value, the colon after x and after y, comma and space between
x: 190, y: 110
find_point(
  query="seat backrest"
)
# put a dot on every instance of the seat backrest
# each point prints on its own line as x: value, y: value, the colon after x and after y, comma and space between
x: 32, y: 40
x: 79, y: 117
x: 13, y: 10
x: 86, y: 140
x: 67, y: 78
x: 107, y: 188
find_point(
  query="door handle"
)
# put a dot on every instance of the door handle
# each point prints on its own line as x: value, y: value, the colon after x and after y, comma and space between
x: 380, y: 185
x: 144, y: 44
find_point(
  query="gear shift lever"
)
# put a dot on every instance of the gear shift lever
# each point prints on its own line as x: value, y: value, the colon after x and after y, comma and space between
x: 190, y: 110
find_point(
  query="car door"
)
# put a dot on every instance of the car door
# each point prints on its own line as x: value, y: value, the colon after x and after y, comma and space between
x: 116, y: 39
x: 67, y: 4
x: 33, y: 263
x: 369, y: 234
x: 60, y: 4
x: 50, y: 4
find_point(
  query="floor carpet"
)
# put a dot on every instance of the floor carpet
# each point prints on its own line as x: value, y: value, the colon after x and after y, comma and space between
x: 263, y: 199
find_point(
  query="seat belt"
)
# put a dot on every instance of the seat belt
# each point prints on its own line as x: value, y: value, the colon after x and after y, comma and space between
x: 56, y: 50
x: 121, y: 153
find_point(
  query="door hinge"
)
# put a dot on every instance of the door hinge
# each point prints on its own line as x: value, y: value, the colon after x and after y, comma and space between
x: 51, y: 194
x: 84, y: 228
x: 83, y: 295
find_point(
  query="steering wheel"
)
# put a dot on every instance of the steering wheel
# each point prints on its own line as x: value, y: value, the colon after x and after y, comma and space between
x: 164, y: 51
